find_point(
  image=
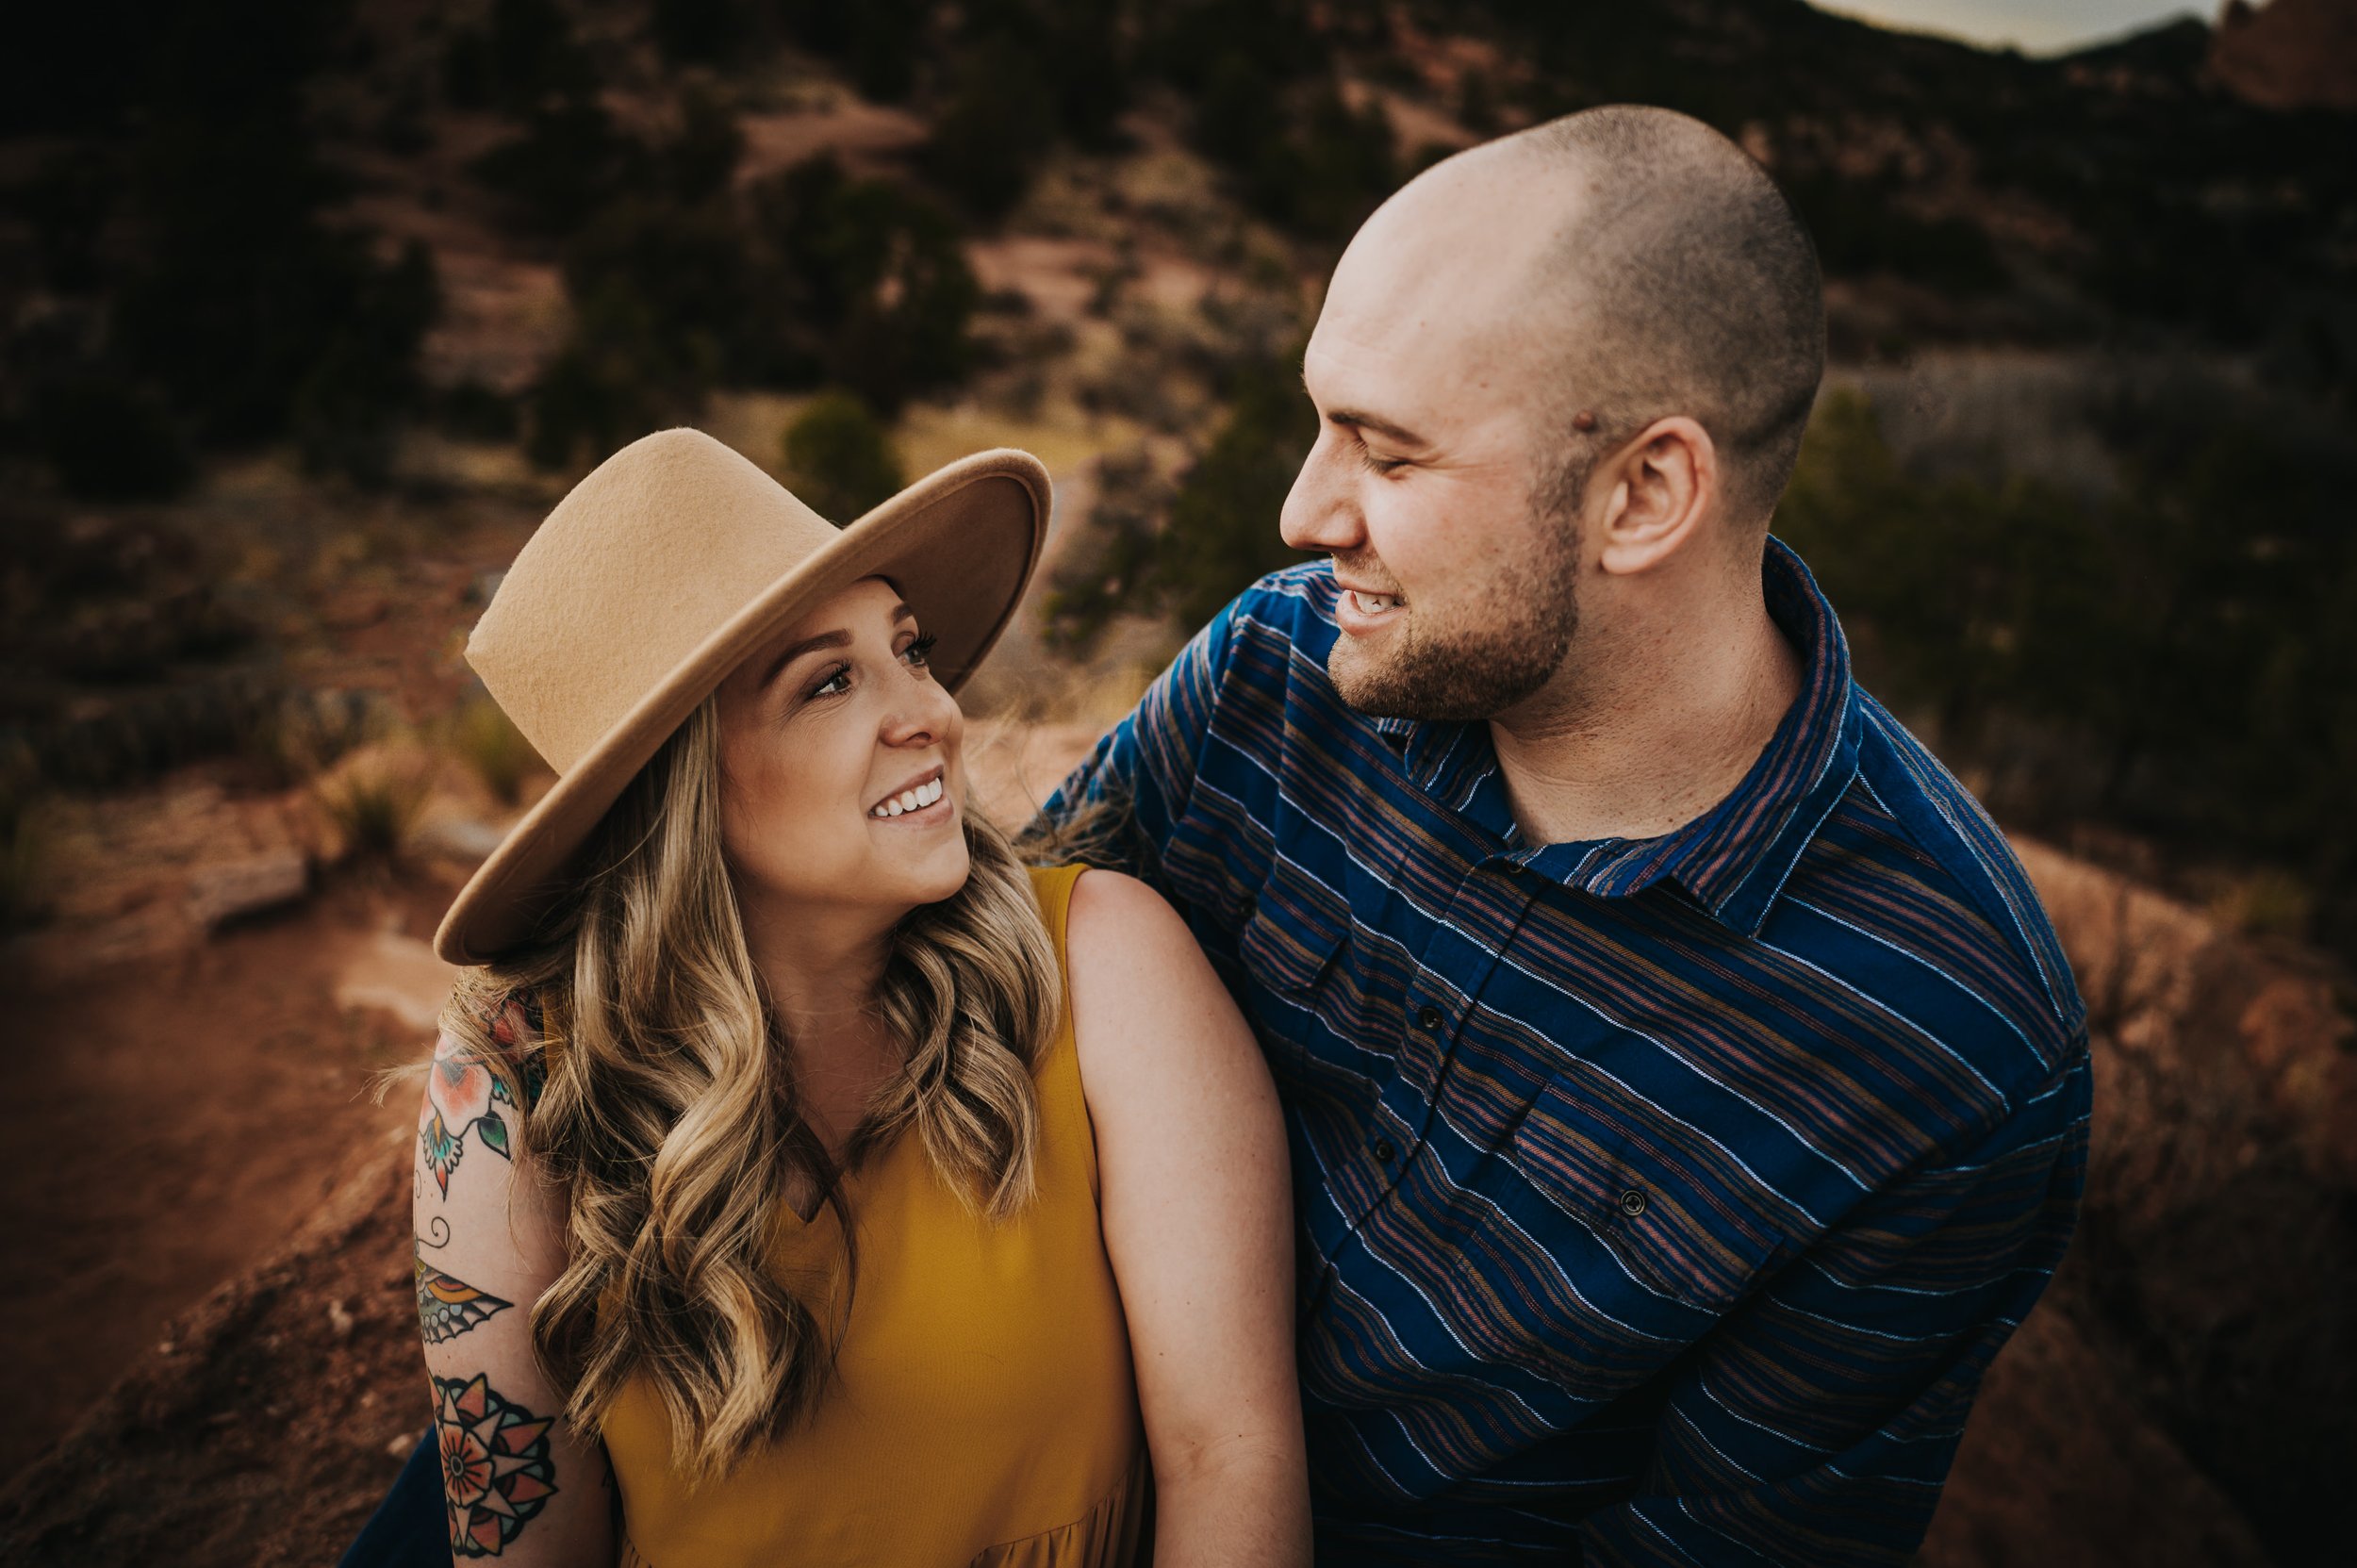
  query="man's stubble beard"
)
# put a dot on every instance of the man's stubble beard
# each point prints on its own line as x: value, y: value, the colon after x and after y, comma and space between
x: 1478, y: 668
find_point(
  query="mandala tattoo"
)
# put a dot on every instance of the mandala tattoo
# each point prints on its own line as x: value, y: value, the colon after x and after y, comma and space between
x: 497, y: 1472
x: 447, y: 1307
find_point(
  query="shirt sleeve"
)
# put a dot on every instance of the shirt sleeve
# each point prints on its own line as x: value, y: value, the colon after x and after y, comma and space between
x: 1816, y: 1425
x: 1119, y: 807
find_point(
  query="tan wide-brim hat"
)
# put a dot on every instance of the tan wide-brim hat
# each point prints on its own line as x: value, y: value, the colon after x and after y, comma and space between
x: 660, y: 573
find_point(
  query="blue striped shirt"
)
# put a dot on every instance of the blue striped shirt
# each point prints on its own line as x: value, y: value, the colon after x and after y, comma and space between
x: 1659, y: 1202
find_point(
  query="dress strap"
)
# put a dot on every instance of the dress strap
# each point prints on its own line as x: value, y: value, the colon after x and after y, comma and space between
x: 1064, y: 1101
x: 1052, y: 886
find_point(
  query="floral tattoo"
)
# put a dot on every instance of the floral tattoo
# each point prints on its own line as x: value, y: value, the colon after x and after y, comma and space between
x: 462, y: 1093
x: 497, y: 1472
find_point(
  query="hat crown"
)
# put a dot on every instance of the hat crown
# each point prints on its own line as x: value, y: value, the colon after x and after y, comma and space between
x: 644, y: 560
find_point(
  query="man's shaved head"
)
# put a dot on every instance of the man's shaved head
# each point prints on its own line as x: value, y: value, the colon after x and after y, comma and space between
x: 1642, y: 264
x: 1678, y: 281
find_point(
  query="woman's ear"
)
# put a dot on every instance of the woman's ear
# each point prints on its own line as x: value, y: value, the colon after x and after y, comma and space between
x: 1667, y: 480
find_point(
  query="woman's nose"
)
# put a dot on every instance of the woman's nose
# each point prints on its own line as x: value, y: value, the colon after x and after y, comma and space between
x: 925, y: 715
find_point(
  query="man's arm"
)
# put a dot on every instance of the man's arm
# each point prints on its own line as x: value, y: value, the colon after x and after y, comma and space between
x: 1815, y: 1426
x: 1118, y: 807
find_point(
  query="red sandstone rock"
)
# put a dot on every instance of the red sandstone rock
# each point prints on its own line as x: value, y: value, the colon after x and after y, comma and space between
x: 2289, y: 54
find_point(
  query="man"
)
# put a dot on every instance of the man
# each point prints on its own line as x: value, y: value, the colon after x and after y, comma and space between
x: 1687, y: 1094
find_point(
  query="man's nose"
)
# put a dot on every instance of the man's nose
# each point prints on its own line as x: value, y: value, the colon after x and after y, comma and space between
x: 1322, y: 510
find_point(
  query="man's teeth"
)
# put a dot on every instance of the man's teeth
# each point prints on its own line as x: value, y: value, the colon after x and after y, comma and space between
x: 1375, y: 603
x: 910, y: 800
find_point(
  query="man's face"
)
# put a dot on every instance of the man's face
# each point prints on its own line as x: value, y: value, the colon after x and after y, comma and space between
x: 1430, y: 482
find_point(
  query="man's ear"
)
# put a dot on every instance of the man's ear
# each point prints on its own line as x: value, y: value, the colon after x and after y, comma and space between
x: 1664, y: 483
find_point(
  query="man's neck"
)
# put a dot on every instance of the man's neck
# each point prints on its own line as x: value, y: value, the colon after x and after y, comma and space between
x: 1654, y: 740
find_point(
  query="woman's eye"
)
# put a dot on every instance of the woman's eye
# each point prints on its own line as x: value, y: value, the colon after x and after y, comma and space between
x: 919, y: 652
x: 837, y: 682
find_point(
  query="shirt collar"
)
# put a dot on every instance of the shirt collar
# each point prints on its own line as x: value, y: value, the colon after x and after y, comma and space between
x: 1734, y: 858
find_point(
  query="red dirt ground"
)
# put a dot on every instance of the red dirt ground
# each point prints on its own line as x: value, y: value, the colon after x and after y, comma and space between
x: 173, y: 1124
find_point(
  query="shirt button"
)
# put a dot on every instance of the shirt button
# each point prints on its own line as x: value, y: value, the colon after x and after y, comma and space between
x: 1383, y: 1150
x: 1428, y: 1018
x: 1633, y: 1202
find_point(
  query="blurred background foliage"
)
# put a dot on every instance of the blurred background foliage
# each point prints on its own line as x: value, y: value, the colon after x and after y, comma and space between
x: 2159, y: 642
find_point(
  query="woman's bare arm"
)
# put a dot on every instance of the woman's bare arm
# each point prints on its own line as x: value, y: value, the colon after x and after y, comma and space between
x: 1198, y: 1224
x: 518, y: 1483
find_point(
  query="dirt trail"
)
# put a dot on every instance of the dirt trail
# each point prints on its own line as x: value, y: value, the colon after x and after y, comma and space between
x: 174, y: 1123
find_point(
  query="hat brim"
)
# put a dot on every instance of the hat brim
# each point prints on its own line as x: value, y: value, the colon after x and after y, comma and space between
x: 960, y: 544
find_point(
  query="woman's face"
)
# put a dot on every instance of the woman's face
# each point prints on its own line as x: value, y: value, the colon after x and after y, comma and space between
x: 842, y: 782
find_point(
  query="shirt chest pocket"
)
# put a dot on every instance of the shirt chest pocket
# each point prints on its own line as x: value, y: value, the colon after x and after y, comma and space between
x: 1671, y: 1208
x: 1308, y: 996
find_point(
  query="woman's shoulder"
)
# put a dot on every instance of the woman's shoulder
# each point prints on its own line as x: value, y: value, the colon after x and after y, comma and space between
x: 1113, y: 911
x: 1131, y: 955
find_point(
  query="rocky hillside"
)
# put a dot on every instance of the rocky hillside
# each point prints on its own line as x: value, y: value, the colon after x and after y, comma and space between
x: 2178, y: 1402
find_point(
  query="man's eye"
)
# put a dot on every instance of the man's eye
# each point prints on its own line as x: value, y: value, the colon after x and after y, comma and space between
x: 1379, y: 465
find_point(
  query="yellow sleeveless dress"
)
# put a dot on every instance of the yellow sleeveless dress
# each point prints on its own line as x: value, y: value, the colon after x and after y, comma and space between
x: 983, y: 1414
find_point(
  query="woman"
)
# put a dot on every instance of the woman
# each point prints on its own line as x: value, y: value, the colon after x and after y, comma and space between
x: 791, y: 1155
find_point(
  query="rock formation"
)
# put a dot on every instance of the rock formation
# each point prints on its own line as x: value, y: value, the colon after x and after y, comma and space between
x: 2289, y: 54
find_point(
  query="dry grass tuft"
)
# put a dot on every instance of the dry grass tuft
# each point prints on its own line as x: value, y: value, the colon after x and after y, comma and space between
x: 484, y: 738
x: 303, y: 732
x: 21, y: 863
x: 374, y: 807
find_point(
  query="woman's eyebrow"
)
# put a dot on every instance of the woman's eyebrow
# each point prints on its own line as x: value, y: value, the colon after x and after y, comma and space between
x: 796, y: 650
x: 793, y: 651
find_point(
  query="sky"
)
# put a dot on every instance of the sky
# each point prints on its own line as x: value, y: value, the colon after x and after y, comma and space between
x: 2035, y: 26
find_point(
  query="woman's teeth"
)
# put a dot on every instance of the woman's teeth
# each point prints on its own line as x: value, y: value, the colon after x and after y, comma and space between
x: 910, y: 800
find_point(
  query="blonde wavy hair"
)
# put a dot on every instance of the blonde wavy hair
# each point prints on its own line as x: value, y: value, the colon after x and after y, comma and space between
x: 663, y: 1103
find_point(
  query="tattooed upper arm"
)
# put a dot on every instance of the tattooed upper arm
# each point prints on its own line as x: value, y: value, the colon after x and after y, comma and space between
x: 518, y: 1483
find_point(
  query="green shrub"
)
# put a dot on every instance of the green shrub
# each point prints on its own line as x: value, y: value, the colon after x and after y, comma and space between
x: 375, y: 809
x: 1862, y: 226
x: 569, y: 161
x: 346, y: 411
x: 620, y: 374
x: 22, y: 841
x: 109, y: 439
x: 2174, y: 660
x: 473, y: 411
x: 1219, y: 530
x: 701, y: 32
x: 1303, y: 158
x: 839, y: 458
x: 998, y: 123
x: 877, y: 40
x: 863, y: 282
x: 525, y: 54
x: 293, y: 735
x: 493, y: 747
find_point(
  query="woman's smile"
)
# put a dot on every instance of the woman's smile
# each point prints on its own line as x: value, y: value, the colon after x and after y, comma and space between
x: 921, y: 803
